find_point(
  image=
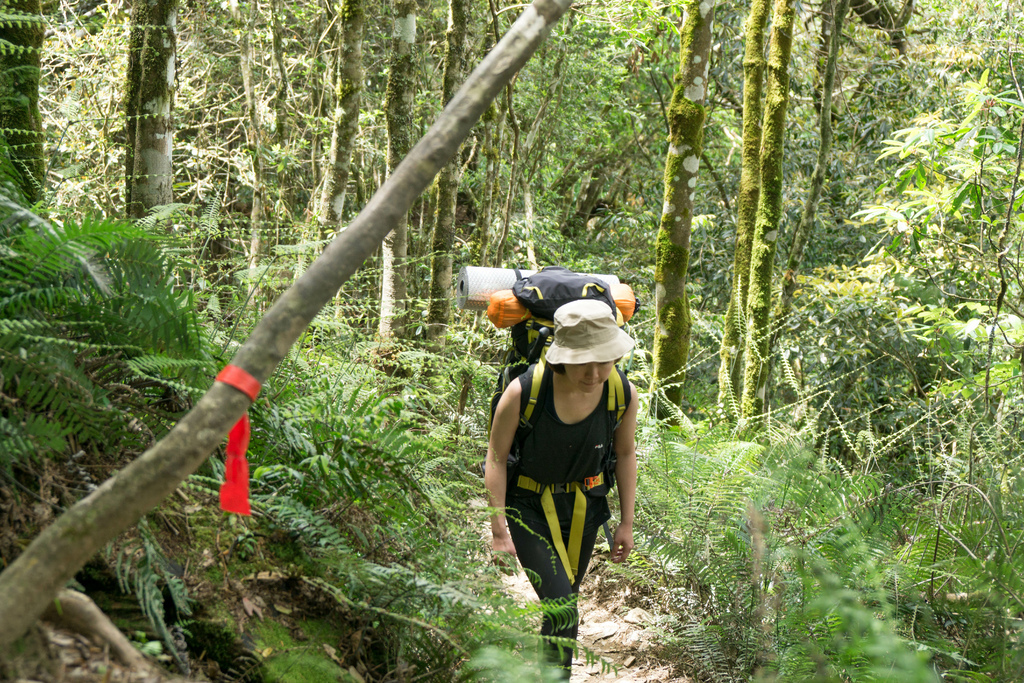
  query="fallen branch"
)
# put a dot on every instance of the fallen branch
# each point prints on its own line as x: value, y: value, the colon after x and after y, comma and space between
x: 30, y: 583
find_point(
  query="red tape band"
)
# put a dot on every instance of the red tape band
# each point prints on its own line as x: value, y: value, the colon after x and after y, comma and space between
x: 236, y: 377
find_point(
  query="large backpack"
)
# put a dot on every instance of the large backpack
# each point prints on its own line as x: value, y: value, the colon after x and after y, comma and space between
x: 529, y: 308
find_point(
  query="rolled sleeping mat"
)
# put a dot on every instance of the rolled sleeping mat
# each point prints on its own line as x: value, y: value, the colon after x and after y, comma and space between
x: 505, y: 310
x: 475, y: 284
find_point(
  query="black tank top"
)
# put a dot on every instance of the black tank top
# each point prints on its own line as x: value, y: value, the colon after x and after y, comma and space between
x: 557, y: 453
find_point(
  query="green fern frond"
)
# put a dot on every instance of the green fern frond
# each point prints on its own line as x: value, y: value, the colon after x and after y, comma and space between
x: 159, y: 214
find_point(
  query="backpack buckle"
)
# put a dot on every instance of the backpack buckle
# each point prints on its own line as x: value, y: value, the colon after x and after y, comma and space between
x: 593, y: 482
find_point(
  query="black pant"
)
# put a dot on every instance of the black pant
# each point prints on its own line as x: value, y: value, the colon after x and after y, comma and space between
x: 532, y: 537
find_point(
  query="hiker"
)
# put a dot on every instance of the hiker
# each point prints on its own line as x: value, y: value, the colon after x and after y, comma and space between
x: 559, y: 480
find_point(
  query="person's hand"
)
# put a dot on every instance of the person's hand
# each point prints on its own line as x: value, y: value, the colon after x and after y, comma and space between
x: 622, y: 546
x: 504, y: 552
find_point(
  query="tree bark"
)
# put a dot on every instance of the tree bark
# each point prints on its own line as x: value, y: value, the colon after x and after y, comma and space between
x: 803, y: 231
x: 253, y: 131
x: 347, y: 94
x: 730, y: 372
x: 494, y: 125
x: 20, y: 121
x: 686, y: 116
x: 29, y: 583
x: 398, y: 103
x: 769, y: 214
x: 443, y: 237
x: 285, y: 207
x: 493, y: 122
x: 152, y: 182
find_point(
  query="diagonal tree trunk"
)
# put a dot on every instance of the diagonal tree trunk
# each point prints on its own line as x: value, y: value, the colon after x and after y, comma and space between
x: 20, y: 122
x: 730, y: 372
x: 672, y: 250
x: 439, y: 308
x: 30, y: 583
x: 398, y: 114
x: 347, y: 94
x: 152, y: 99
x: 769, y: 213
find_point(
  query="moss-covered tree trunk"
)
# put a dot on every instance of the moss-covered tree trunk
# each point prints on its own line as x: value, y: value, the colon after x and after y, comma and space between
x: 686, y: 141
x: 398, y: 102
x: 730, y: 372
x: 348, y: 90
x: 810, y: 210
x: 154, y: 33
x: 21, y: 25
x: 440, y: 304
x: 769, y: 213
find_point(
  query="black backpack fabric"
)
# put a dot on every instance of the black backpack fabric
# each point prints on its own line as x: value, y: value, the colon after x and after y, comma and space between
x: 542, y: 294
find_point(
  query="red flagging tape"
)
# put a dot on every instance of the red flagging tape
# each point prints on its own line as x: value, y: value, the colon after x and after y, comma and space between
x: 234, y: 492
x: 236, y: 377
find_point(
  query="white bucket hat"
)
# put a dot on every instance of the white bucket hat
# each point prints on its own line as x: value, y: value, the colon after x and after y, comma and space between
x: 585, y: 332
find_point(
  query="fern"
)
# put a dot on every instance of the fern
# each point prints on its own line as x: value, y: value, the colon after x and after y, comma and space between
x: 143, y: 570
x: 71, y: 294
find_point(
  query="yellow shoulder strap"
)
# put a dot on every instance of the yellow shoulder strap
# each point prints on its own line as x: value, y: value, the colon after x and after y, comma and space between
x: 538, y: 377
x: 616, y: 395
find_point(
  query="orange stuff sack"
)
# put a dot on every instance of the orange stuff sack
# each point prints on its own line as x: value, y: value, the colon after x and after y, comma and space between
x: 625, y: 301
x: 505, y: 309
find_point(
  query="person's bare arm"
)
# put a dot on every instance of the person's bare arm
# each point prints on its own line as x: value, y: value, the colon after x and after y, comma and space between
x: 625, y: 475
x: 503, y: 432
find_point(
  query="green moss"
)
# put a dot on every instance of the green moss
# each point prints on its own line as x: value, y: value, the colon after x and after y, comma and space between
x: 291, y: 661
x: 686, y: 119
x: 346, y: 89
x: 305, y: 666
x: 215, y: 641
x: 675, y: 315
x: 490, y: 114
x: 351, y: 11
x: 672, y: 259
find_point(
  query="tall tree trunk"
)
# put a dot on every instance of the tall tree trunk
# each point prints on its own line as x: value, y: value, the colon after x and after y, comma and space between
x: 348, y: 90
x: 730, y: 372
x: 155, y: 34
x: 30, y: 583
x: 494, y: 122
x: 439, y: 307
x: 769, y: 213
x: 513, y: 179
x: 672, y: 250
x: 398, y: 103
x: 494, y: 125
x: 807, y: 217
x: 253, y: 131
x: 285, y: 207
x: 20, y: 122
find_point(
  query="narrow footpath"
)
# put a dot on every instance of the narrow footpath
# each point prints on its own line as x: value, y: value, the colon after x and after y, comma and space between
x: 618, y: 635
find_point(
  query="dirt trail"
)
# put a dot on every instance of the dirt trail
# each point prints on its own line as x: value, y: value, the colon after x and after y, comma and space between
x: 618, y: 634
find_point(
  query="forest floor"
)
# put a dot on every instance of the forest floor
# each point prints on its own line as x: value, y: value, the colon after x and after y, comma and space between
x: 621, y: 637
